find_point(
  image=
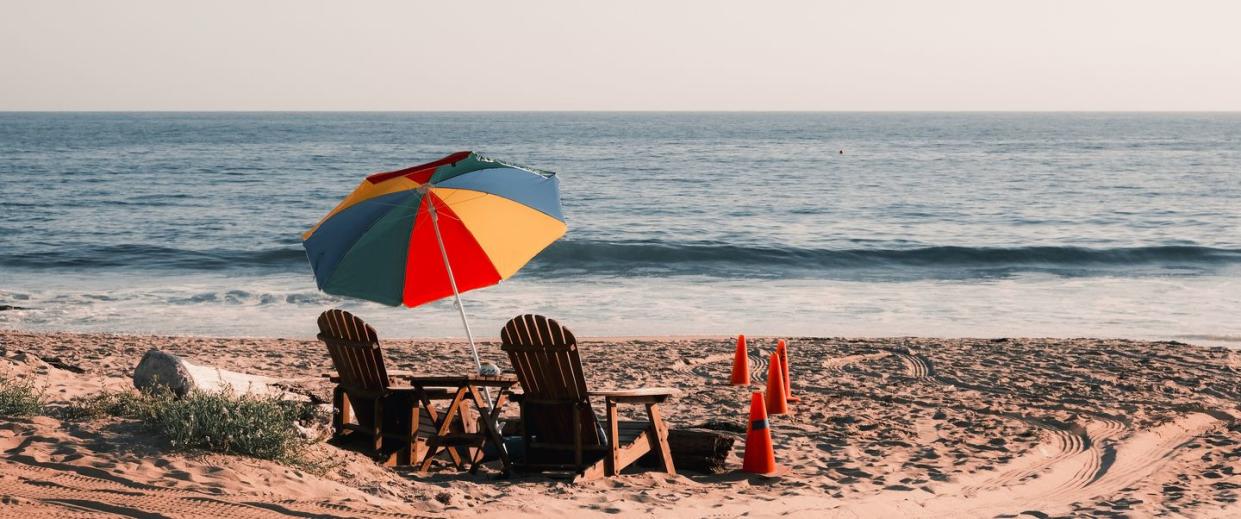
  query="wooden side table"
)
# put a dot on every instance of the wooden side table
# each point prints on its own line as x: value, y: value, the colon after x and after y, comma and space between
x: 656, y: 430
x: 467, y: 389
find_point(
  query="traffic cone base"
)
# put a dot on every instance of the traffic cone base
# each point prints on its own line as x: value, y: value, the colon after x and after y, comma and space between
x: 741, y: 364
x: 778, y: 472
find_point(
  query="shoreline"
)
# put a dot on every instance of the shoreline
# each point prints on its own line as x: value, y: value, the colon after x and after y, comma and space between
x: 899, y: 426
x: 1195, y: 340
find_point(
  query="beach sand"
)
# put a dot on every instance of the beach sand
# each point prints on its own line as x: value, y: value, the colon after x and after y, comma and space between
x: 893, y: 427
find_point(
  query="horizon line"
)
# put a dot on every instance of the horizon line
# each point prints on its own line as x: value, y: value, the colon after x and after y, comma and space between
x: 1153, y: 111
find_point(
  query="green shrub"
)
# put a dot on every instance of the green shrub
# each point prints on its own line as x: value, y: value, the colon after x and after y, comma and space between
x: 19, y: 397
x: 224, y: 422
x: 229, y: 423
x: 124, y: 404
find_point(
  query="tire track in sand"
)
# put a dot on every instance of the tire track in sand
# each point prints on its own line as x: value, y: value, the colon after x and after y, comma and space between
x: 837, y: 364
x: 916, y: 366
x: 72, y: 490
x: 719, y: 368
x: 1074, y: 464
x: 1097, y: 458
x: 1105, y: 468
x: 758, y: 369
x: 1136, y: 458
x: 101, y: 495
x: 1081, y: 447
x: 1062, y: 441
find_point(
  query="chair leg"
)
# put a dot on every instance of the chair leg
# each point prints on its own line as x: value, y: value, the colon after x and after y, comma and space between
x: 525, y: 432
x: 625, y: 455
x: 659, y: 438
x: 577, y: 437
x: 415, y: 415
x: 595, y: 471
x: 379, y: 420
x: 340, y: 410
x: 611, y: 468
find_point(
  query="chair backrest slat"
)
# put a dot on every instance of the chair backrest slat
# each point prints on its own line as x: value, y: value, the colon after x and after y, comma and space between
x: 545, y: 356
x: 355, y: 351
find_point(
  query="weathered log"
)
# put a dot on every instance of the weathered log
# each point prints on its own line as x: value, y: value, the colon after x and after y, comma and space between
x: 158, y: 368
x: 696, y: 449
x: 699, y: 450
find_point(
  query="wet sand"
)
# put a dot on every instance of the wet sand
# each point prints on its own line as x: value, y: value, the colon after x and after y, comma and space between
x: 892, y: 426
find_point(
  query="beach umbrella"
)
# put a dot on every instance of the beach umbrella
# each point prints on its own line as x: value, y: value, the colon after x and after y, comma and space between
x: 419, y: 234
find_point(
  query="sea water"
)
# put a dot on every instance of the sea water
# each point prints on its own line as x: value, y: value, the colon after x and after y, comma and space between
x: 834, y: 224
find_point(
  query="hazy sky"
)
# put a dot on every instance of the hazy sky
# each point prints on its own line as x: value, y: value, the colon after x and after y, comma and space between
x: 620, y: 55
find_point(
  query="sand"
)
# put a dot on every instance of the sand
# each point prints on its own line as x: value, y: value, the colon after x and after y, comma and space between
x: 895, y: 427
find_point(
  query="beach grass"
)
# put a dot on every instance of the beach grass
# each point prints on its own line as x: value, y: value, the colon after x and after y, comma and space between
x: 123, y: 404
x: 229, y: 423
x: 223, y: 422
x: 20, y: 397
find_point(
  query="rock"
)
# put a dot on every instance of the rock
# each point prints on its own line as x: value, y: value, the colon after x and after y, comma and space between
x: 158, y: 368
x: 181, y: 376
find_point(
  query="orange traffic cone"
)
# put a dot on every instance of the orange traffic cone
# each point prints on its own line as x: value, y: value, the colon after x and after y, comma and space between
x: 741, y: 364
x: 776, y: 398
x: 783, y: 350
x: 759, y: 456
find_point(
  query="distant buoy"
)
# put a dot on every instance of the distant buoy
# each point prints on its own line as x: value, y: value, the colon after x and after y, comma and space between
x: 842, y: 152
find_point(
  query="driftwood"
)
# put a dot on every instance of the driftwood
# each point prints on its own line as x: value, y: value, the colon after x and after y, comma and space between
x: 158, y: 368
x: 696, y: 449
x: 699, y: 450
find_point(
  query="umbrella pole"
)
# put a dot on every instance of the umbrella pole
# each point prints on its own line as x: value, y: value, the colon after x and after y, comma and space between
x: 452, y: 281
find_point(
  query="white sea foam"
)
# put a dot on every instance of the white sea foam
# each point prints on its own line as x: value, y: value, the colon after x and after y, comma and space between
x: 1198, y: 310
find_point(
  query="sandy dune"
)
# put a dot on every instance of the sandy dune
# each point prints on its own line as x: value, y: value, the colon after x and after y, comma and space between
x: 896, y: 427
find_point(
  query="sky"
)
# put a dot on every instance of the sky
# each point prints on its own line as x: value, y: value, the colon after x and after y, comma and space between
x: 626, y: 55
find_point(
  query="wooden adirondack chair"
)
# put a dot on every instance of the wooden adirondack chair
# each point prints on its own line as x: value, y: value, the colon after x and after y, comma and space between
x: 556, y: 416
x: 367, y: 390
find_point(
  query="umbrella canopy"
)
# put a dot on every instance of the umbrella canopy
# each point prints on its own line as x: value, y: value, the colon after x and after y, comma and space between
x: 412, y: 236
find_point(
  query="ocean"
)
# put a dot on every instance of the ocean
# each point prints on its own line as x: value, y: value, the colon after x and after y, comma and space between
x: 828, y: 224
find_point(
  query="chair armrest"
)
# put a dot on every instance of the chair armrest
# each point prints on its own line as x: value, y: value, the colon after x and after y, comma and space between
x: 399, y: 373
x: 646, y: 391
x: 650, y: 395
x: 432, y: 393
